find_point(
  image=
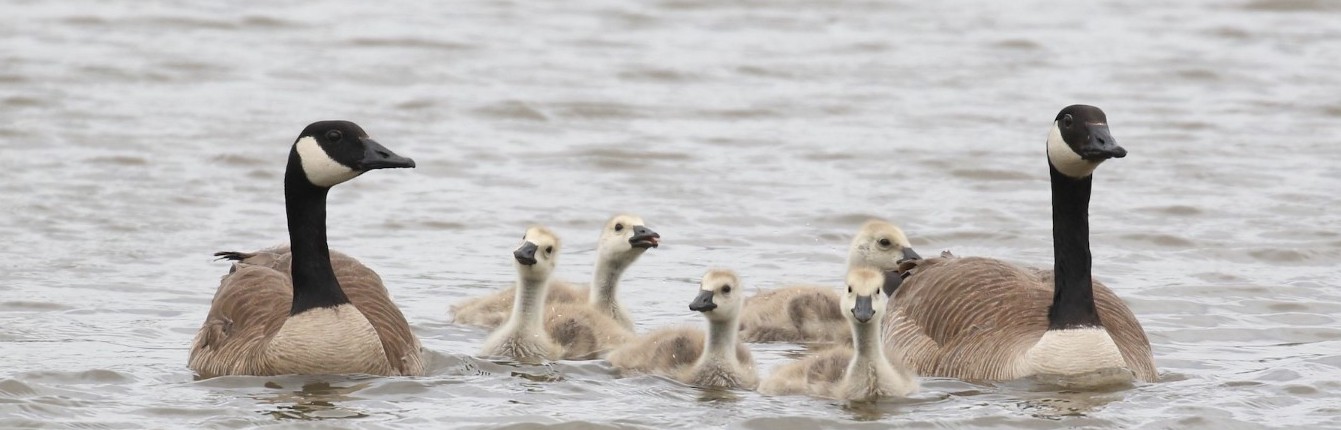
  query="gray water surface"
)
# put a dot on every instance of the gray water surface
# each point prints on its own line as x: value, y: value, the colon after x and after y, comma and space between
x: 140, y: 137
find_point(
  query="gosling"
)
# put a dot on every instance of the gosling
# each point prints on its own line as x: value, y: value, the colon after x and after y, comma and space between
x: 683, y: 354
x: 811, y: 314
x: 535, y: 331
x: 859, y: 373
x: 623, y: 239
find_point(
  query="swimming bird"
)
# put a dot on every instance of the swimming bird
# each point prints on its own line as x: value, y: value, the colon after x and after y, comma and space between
x: 624, y: 238
x: 807, y: 313
x: 685, y: 354
x: 537, y: 331
x: 857, y: 372
x: 987, y: 320
x: 303, y: 309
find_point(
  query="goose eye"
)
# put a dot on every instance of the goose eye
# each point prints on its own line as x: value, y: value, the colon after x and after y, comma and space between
x: 1067, y: 121
x: 849, y: 289
x: 549, y: 249
x: 726, y: 289
x: 885, y: 242
x: 334, y: 135
x: 619, y: 227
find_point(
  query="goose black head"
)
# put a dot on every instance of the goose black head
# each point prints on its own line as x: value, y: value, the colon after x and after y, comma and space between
x: 332, y: 152
x: 1080, y: 140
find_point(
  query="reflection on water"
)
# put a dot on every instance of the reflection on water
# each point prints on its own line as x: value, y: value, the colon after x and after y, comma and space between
x: 1061, y: 404
x: 315, y: 401
x: 881, y: 409
x: 717, y: 394
x: 1100, y: 381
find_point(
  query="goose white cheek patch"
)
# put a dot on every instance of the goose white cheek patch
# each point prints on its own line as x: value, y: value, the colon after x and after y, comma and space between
x: 1064, y: 159
x: 319, y: 168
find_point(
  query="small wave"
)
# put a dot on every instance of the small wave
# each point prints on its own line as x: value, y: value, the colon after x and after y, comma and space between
x: 511, y: 109
x: 93, y: 376
x: 598, y: 110
x: 408, y: 42
x: 992, y: 175
x: 652, y: 74
x: 1293, y: 5
x: 1164, y: 240
x: 24, y: 305
x: 1018, y: 44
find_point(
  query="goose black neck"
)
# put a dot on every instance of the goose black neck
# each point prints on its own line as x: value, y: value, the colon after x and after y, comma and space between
x: 1073, y: 289
x: 314, y: 283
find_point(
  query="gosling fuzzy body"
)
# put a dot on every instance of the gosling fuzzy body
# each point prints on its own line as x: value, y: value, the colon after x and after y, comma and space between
x: 716, y: 359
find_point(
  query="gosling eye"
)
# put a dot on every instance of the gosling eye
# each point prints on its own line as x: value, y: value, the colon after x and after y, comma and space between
x: 334, y: 135
x: 619, y: 227
x: 726, y: 289
x: 1066, y: 121
x: 885, y: 242
x: 549, y: 249
x: 849, y: 289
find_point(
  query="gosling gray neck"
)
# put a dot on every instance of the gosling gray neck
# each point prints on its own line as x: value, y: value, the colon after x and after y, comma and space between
x: 866, y: 340
x: 528, y: 312
x: 721, y: 344
x: 604, y: 284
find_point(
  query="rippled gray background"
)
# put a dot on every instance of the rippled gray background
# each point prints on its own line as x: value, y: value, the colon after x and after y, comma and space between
x: 139, y: 137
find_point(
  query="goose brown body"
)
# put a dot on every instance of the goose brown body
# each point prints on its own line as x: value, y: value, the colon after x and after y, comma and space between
x: 976, y: 318
x: 303, y: 309
x: 984, y: 319
x: 253, y: 303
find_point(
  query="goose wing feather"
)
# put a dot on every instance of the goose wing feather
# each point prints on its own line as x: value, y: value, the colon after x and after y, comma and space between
x: 257, y: 293
x: 975, y: 318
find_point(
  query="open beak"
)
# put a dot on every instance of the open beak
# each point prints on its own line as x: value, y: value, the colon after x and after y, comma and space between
x: 644, y: 238
x: 703, y: 302
x: 1101, y: 145
x: 526, y: 254
x: 863, y: 311
x: 376, y: 156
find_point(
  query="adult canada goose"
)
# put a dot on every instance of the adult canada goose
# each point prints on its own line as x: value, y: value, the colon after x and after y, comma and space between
x: 859, y: 372
x: 623, y: 239
x: 537, y: 331
x: 983, y: 319
x: 303, y: 309
x: 685, y: 355
x: 807, y: 313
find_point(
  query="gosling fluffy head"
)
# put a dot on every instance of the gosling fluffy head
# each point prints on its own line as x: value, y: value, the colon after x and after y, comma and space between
x: 625, y: 237
x: 864, y: 303
x: 881, y: 245
x: 720, y: 296
x: 538, y: 253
